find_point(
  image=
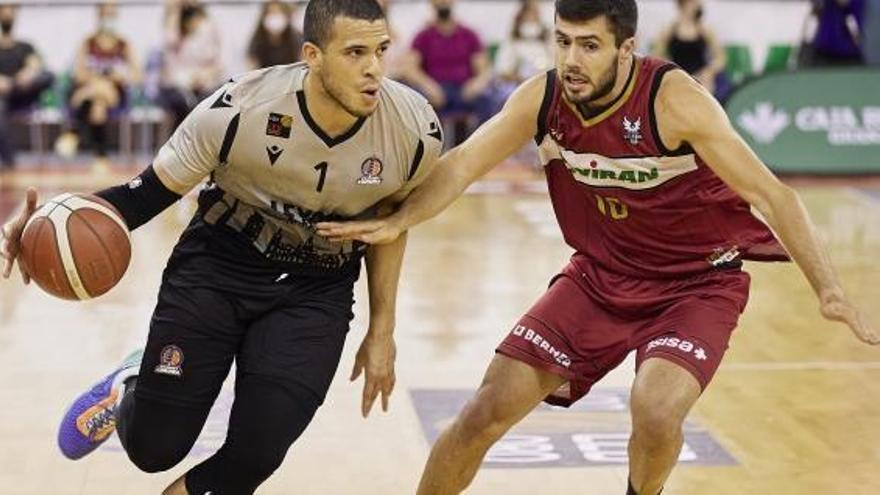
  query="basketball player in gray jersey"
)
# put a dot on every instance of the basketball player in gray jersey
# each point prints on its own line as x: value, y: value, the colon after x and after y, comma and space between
x: 250, y: 281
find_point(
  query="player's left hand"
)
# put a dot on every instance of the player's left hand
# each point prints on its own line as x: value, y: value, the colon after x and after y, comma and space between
x: 375, y: 359
x: 836, y: 307
x: 379, y: 231
x: 10, y: 236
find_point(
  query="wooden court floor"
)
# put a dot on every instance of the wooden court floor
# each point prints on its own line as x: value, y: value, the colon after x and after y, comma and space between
x: 795, y: 408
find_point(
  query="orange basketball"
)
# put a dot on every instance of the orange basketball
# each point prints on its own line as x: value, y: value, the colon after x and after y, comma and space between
x: 75, y: 246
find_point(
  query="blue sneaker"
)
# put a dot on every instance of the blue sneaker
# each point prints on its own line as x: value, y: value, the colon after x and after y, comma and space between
x: 91, y: 419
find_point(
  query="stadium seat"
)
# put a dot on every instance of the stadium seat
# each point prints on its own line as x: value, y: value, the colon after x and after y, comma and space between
x: 778, y: 58
x: 739, y: 62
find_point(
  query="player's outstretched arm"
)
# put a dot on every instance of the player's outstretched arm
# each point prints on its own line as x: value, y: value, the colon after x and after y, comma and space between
x: 688, y: 113
x: 495, y: 140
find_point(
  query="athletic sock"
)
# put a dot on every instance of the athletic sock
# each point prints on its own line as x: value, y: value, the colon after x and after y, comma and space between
x: 632, y: 491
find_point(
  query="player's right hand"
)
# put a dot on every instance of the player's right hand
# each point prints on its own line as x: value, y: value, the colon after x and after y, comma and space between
x: 11, y: 233
x: 380, y: 231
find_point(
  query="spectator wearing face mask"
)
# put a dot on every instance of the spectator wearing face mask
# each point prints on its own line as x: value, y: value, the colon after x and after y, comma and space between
x: 275, y: 41
x: 105, y: 68
x: 527, y: 51
x: 22, y: 79
x: 451, y: 68
x: 191, y: 66
x: 693, y: 46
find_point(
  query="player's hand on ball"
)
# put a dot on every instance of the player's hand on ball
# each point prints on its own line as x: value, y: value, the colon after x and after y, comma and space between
x: 375, y: 359
x: 11, y: 232
x: 836, y: 307
x: 380, y: 231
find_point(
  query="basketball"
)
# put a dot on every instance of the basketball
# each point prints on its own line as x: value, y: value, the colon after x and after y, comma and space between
x: 76, y: 246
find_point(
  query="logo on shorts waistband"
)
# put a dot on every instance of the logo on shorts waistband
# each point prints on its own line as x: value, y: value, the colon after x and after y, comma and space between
x: 170, y: 361
x: 682, y: 345
x: 535, y: 338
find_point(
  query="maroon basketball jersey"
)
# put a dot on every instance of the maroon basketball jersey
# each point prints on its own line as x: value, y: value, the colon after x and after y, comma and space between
x: 630, y: 205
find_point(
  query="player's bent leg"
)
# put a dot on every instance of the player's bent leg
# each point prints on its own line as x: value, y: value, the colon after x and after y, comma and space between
x: 267, y: 417
x: 157, y: 435
x: 285, y: 367
x: 662, y: 395
x: 510, y: 390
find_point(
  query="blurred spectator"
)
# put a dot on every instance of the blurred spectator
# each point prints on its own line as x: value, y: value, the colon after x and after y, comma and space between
x: 191, y: 67
x: 838, y: 33
x: 275, y: 41
x: 451, y: 68
x: 526, y: 53
x: 693, y: 46
x: 872, y: 32
x: 22, y: 79
x: 105, y: 69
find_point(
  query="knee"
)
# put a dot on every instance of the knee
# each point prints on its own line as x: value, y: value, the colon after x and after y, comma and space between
x: 154, y: 453
x: 656, y: 423
x: 483, y: 419
x: 155, y: 458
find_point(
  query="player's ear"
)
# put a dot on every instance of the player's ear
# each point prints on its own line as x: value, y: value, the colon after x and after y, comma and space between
x: 627, y: 48
x: 311, y: 54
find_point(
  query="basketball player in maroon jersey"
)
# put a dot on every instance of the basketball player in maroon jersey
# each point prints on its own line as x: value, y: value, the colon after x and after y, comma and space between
x: 652, y: 187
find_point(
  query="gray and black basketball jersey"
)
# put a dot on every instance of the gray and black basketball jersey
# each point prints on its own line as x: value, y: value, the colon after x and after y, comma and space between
x: 274, y: 173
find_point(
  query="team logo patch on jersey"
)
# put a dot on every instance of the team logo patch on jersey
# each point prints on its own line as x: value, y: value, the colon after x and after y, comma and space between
x: 632, y: 131
x: 371, y: 170
x: 170, y: 361
x: 274, y: 153
x: 279, y: 125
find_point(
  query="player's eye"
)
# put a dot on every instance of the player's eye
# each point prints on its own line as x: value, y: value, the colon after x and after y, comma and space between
x: 562, y: 41
x: 590, y: 46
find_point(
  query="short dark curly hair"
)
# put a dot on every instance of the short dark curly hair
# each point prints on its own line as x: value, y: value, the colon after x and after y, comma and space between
x: 320, y: 15
x: 622, y: 15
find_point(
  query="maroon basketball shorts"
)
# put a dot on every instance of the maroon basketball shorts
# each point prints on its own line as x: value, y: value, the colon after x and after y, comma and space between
x: 589, y: 320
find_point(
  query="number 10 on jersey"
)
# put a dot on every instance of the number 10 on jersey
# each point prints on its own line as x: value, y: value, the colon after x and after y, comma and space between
x: 612, y: 207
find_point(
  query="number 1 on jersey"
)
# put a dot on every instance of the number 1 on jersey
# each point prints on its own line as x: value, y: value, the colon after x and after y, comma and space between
x: 321, y: 167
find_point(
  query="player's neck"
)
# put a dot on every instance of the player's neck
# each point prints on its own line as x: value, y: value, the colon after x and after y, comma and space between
x: 325, y: 110
x: 623, y: 77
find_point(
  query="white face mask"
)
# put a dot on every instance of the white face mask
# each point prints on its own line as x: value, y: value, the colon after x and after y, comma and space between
x: 531, y: 30
x: 107, y: 25
x: 275, y: 23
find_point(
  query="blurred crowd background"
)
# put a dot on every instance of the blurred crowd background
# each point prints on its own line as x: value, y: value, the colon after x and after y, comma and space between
x: 111, y: 80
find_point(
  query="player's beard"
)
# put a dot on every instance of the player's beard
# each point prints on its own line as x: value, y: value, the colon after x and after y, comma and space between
x: 604, y: 87
x: 338, y: 95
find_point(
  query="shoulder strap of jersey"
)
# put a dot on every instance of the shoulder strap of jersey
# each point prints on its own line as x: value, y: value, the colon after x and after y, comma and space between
x: 659, y: 73
x: 549, y: 92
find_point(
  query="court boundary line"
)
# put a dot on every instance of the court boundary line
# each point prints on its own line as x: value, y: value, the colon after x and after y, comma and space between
x: 802, y: 366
